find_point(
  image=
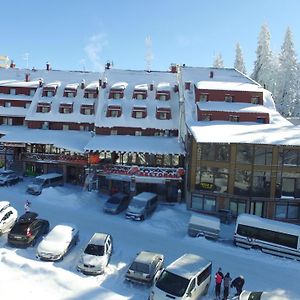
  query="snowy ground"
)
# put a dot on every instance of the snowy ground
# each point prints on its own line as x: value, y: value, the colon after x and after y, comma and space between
x: 24, y: 277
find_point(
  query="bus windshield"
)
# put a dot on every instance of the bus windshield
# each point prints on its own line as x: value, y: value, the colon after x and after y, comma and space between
x: 172, y: 284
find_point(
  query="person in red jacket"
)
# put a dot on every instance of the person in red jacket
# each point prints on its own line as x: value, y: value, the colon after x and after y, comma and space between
x: 218, y: 278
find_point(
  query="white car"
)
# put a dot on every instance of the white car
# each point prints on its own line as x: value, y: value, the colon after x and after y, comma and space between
x: 58, y: 242
x: 96, y: 255
x: 8, y: 216
x: 276, y: 295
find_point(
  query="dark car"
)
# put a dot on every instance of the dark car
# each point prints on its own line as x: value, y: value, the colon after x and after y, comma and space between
x: 27, y: 230
x: 116, y: 203
x: 9, y: 177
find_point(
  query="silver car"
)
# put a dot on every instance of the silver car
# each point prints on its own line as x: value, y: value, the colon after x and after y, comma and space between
x: 144, y: 267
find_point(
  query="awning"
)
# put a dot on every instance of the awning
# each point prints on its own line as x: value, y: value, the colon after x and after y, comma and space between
x: 142, y: 144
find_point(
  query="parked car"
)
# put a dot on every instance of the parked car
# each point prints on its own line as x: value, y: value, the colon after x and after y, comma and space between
x: 27, y: 230
x: 58, y: 242
x: 144, y: 267
x: 116, y: 203
x: 44, y: 181
x: 245, y: 295
x: 8, y: 216
x: 96, y: 255
x: 141, y: 206
x: 9, y: 177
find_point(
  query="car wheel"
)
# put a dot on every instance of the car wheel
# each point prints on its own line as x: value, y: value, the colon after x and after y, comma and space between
x: 142, y: 218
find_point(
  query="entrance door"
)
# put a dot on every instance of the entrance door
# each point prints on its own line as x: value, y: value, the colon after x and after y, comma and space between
x: 256, y: 208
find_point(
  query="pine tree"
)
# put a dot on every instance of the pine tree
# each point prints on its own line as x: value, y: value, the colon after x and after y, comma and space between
x: 264, y: 71
x: 287, y: 79
x: 218, y: 62
x: 239, y: 60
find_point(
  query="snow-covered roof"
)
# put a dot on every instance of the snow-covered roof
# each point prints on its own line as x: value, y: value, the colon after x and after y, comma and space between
x: 163, y: 86
x: 133, y: 79
x: 232, y: 107
x: 141, y: 87
x: 71, y: 86
x: 119, y: 85
x: 228, y: 86
x: 144, y: 196
x: 92, y: 86
x: 246, y: 132
x: 259, y: 222
x: 52, y: 84
x: 17, y: 83
x: 127, y: 143
x: 66, y: 139
x: 188, y: 265
x: 13, y: 111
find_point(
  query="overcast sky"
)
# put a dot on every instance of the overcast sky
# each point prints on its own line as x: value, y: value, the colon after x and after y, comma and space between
x: 77, y: 35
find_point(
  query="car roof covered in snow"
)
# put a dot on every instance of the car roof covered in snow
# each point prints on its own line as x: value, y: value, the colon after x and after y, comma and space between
x: 146, y: 257
x: 98, y: 238
x: 188, y: 265
x: 4, y: 205
x: 144, y: 196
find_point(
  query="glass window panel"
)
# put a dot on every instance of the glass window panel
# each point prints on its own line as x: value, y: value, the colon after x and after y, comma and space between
x: 209, y: 204
x: 244, y: 154
x: 197, y: 202
x: 261, y: 184
x: 263, y: 156
x: 281, y: 211
x: 222, y: 152
x: 208, y: 152
x: 293, y: 212
x: 242, y: 182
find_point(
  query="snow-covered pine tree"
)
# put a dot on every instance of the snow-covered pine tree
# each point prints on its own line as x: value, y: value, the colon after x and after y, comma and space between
x: 239, y: 60
x: 264, y: 71
x: 218, y: 61
x: 287, y: 79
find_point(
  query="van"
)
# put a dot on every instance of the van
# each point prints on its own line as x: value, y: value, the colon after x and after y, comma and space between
x: 203, y: 225
x: 187, y: 278
x: 44, y: 181
x: 141, y: 206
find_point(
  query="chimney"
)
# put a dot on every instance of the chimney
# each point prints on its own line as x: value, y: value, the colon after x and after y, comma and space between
x: 27, y: 77
x: 41, y: 82
x: 151, y: 87
x: 211, y: 74
x: 173, y: 68
x: 175, y: 88
x: 12, y: 64
x: 48, y: 68
x: 100, y: 82
x: 187, y: 85
x: 107, y: 66
x: 82, y: 85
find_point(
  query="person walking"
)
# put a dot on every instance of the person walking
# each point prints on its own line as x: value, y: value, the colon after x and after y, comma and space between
x: 218, y: 278
x: 27, y: 206
x: 238, y: 283
x: 226, y: 283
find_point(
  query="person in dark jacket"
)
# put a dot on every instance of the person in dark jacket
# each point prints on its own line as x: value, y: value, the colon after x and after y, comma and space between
x: 218, y: 278
x: 238, y: 283
x: 226, y: 282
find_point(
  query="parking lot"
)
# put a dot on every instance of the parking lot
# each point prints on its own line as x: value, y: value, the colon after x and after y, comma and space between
x: 164, y: 232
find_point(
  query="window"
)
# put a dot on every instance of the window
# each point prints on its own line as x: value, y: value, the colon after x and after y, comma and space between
x: 233, y: 118
x: 163, y: 114
x: 242, y: 182
x: 113, y: 132
x: 7, y: 121
x: 203, y: 202
x: 45, y: 125
x: 114, y: 114
x: 7, y: 104
x: 237, y: 207
x: 244, y: 154
x: 255, y: 100
x: 219, y: 152
x: 139, y: 112
x: 65, y: 127
x: 139, y: 96
x: 70, y: 94
x: 49, y: 93
x: 206, y: 118
x: 203, y: 98
x: 287, y: 211
x: 45, y: 109
x: 116, y: 95
x: 289, y: 157
x: 263, y: 156
x: 261, y: 184
x: 204, y: 275
x: 228, y: 98
x: 31, y: 92
x: 27, y: 104
x: 261, y: 120
x: 84, y: 128
x: 114, y: 111
x: 162, y: 97
x: 138, y: 133
x: 13, y: 91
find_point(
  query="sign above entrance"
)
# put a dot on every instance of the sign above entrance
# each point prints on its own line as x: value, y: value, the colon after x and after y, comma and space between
x: 14, y: 145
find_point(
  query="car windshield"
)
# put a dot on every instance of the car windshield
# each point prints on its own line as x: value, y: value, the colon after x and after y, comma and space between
x: 255, y: 296
x: 37, y: 181
x: 137, y: 204
x: 113, y: 200
x: 92, y: 249
x: 139, y: 267
x: 172, y: 284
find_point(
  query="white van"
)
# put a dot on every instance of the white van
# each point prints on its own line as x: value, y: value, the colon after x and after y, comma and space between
x: 141, y: 206
x: 187, y: 278
x: 203, y: 225
x: 8, y: 216
x: 44, y: 181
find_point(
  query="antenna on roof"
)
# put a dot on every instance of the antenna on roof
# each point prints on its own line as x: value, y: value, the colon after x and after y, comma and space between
x: 26, y: 58
x: 149, y: 54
